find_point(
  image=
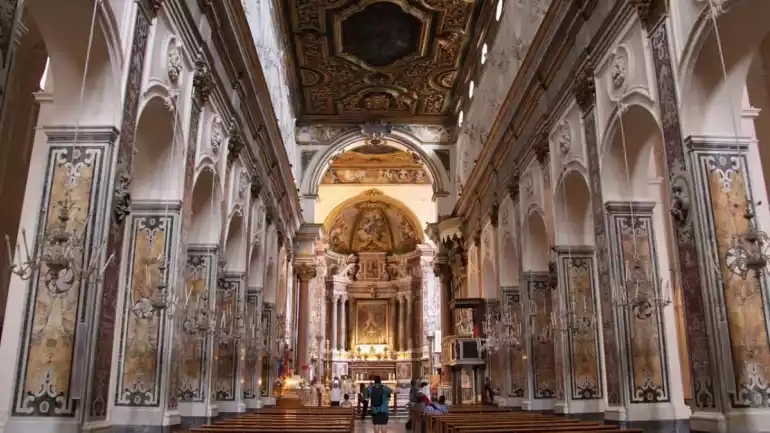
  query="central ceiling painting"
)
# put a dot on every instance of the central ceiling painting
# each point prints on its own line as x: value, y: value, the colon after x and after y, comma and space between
x: 356, y: 60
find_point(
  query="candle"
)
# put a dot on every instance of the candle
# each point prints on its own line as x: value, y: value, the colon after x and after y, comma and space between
x: 8, y: 245
x: 187, y: 293
x: 26, y: 246
x: 197, y: 300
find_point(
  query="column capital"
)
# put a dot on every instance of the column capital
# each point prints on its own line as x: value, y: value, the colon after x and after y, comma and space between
x: 650, y: 11
x: 305, y: 271
x: 203, y: 83
x: 584, y: 88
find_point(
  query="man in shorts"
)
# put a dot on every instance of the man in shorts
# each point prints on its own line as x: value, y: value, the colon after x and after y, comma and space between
x: 379, y: 398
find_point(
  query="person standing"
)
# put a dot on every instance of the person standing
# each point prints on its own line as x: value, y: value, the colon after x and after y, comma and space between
x: 336, y: 392
x: 363, y: 397
x: 380, y: 398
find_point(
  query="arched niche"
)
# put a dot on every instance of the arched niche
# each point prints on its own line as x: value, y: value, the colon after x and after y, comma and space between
x: 235, y: 245
x: 572, y: 209
x: 158, y: 158
x: 255, y: 267
x: 473, y: 290
x: 489, y: 279
x: 714, y: 103
x: 633, y: 145
x: 206, y: 209
x: 66, y: 29
x: 536, y: 250
x: 509, y: 261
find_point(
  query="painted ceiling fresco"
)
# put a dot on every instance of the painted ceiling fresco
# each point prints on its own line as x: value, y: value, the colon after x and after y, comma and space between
x: 375, y: 164
x: 372, y: 222
x: 363, y: 59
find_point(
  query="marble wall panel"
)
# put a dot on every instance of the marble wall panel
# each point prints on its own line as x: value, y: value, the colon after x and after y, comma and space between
x: 101, y: 371
x: 701, y: 363
x: 543, y: 356
x: 55, y: 307
x: 152, y: 236
x: 517, y: 355
x: 193, y: 353
x: 644, y: 349
x: 267, y: 359
x: 583, y: 345
x: 226, y: 352
x: 741, y: 303
x: 601, y: 241
x: 251, y: 364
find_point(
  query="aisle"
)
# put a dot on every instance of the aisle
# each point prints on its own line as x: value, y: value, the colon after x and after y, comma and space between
x: 397, y: 425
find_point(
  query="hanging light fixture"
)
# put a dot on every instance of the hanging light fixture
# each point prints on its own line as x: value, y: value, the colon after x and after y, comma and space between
x: 61, y: 250
x: 639, y: 291
x: 748, y: 252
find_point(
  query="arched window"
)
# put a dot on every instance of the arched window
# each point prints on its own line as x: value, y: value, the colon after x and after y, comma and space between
x: 460, y: 118
x: 471, y: 88
x: 499, y: 10
x: 44, y: 77
x: 484, y: 50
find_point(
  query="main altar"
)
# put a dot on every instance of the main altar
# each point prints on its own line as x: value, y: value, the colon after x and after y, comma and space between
x: 379, y: 303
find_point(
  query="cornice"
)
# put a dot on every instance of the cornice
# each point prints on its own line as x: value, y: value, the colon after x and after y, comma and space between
x: 245, y: 71
x: 512, y: 143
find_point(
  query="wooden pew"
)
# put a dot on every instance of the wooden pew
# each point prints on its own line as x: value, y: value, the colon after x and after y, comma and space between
x: 273, y: 420
x: 514, y: 422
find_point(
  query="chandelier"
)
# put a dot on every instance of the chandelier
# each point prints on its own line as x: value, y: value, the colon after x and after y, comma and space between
x: 639, y: 292
x: 537, y: 331
x: 232, y: 327
x: 61, y: 250
x: 201, y: 320
x: 161, y: 299
x: 579, y: 321
x: 748, y: 252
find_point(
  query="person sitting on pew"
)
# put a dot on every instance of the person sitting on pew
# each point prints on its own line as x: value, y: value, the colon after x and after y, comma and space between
x: 346, y: 401
x: 439, y: 407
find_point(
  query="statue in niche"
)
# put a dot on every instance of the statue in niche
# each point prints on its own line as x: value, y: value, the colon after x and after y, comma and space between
x: 351, y: 267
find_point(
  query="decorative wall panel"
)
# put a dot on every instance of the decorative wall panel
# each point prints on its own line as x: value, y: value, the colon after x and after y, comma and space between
x: 226, y: 352
x: 645, y: 349
x: 518, y: 359
x: 583, y: 344
x: 266, y: 373
x: 55, y: 306
x: 542, y: 360
x: 121, y: 198
x: 742, y: 304
x: 701, y: 364
x: 199, y: 281
x: 601, y: 241
x: 153, y: 233
x: 251, y: 366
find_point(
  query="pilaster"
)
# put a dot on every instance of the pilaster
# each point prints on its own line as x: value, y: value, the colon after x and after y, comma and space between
x: 228, y: 363
x: 541, y: 386
x: 579, y: 331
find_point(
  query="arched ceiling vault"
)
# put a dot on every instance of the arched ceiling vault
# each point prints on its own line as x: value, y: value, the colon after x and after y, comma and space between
x: 372, y: 222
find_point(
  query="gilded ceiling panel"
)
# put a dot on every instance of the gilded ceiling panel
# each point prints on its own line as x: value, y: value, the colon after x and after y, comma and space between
x: 391, y: 59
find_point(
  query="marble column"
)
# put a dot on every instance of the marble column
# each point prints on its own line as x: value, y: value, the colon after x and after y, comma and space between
x: 335, y: 321
x: 343, y: 323
x: 394, y: 324
x: 409, y: 325
x: 305, y: 271
x: 401, y: 322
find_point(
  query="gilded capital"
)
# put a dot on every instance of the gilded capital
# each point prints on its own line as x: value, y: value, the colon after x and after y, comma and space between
x: 305, y: 271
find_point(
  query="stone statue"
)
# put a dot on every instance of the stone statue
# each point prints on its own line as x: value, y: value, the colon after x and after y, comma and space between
x: 351, y: 267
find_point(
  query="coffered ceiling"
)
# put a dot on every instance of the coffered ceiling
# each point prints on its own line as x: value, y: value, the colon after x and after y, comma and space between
x: 395, y: 60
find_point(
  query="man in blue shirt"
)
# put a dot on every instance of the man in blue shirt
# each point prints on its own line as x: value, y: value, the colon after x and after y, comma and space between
x: 379, y: 396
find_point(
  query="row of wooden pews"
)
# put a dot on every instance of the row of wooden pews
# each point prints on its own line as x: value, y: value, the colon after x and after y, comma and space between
x: 486, y: 419
x: 300, y: 419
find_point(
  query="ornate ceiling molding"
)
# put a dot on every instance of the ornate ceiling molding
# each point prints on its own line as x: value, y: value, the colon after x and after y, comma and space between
x: 399, y: 60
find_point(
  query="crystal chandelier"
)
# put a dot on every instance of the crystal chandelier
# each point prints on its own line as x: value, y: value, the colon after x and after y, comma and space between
x: 234, y: 329
x: 61, y: 250
x: 748, y: 251
x: 161, y: 299
x: 639, y: 292
x: 492, y: 341
x: 538, y: 332
x: 202, y: 320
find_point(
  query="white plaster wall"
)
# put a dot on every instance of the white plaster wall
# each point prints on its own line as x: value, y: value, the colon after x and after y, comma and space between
x: 263, y: 23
